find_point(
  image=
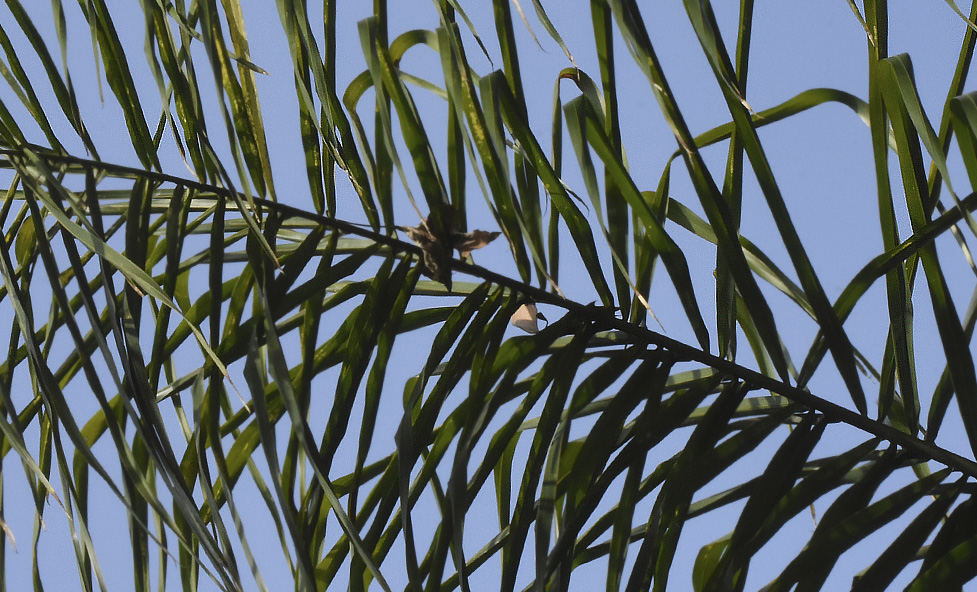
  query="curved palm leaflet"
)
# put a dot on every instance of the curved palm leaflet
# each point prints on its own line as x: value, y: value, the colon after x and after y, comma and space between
x: 177, y: 341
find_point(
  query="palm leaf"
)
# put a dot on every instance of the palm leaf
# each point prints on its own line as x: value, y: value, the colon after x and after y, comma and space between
x: 179, y: 342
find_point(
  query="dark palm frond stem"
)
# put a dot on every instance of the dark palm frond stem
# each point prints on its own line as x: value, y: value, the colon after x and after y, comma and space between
x: 602, y: 317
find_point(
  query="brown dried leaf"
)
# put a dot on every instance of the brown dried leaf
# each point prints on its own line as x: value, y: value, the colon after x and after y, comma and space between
x: 419, y: 234
x: 437, y: 255
x: 467, y: 242
x: 435, y: 262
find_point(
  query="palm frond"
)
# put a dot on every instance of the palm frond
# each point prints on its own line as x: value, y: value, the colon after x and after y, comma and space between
x: 268, y: 389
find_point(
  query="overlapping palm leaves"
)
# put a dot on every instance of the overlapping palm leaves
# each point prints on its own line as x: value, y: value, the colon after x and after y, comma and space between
x: 228, y: 338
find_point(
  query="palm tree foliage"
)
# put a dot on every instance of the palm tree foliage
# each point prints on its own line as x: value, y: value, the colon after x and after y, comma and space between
x: 177, y: 341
